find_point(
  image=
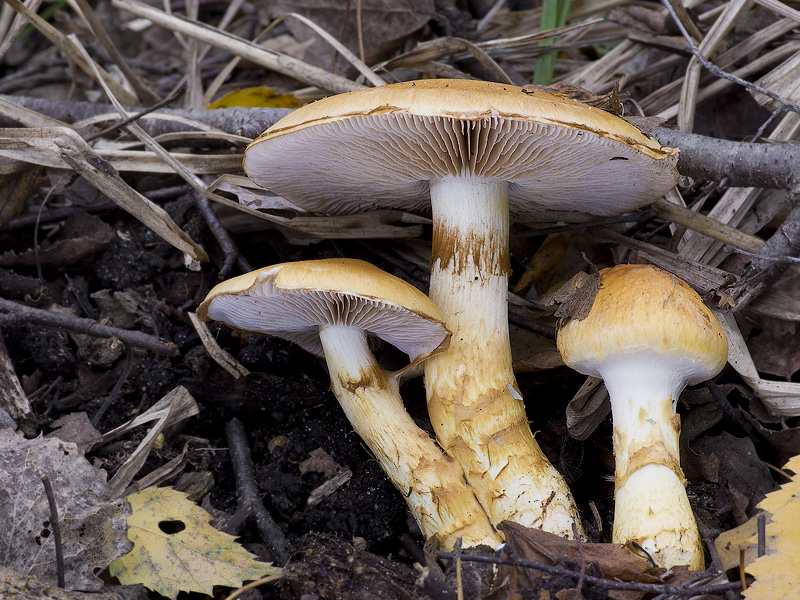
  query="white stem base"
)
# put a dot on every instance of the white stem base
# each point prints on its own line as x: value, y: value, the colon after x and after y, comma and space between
x: 652, y: 509
x: 651, y: 505
x: 432, y: 484
x: 473, y: 398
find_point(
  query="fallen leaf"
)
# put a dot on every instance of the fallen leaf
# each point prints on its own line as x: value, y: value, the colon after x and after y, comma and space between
x: 729, y: 544
x: 733, y: 462
x: 76, y: 428
x: 19, y: 182
x: 176, y: 549
x: 784, y: 441
x: 92, y: 527
x: 84, y: 236
x: 532, y: 352
x: 614, y: 561
x: 385, y: 24
x: 547, y: 257
x: 777, y: 574
x: 610, y: 101
x: 261, y: 97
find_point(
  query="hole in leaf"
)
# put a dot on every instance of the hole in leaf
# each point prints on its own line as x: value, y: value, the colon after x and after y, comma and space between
x: 171, y: 527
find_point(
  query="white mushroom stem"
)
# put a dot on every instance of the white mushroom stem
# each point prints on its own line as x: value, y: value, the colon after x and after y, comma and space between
x: 651, y: 506
x: 473, y: 398
x: 432, y: 483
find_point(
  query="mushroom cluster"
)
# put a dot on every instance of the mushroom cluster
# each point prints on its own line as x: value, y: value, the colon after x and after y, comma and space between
x: 472, y: 153
x: 648, y: 335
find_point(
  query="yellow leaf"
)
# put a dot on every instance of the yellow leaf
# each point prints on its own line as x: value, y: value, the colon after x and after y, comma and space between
x: 257, y: 97
x: 730, y: 543
x: 175, y: 548
x: 777, y: 573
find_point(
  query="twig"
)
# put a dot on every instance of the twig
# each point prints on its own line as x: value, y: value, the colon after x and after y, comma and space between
x: 58, y: 186
x: 716, y: 562
x: 582, y: 575
x: 56, y: 527
x: 135, y: 117
x: 639, y: 215
x: 763, y: 271
x: 247, y: 491
x: 20, y: 313
x: 255, y: 584
x: 717, y: 72
x: 700, y: 223
x: 761, y: 522
x: 731, y: 250
x: 732, y: 413
x: 654, y: 588
x: 247, y: 122
x: 226, y: 243
x: 745, y: 164
x: 126, y: 371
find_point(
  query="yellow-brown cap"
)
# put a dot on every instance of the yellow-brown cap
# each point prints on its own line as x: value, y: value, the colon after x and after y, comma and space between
x: 641, y: 308
x: 292, y: 300
x: 380, y: 147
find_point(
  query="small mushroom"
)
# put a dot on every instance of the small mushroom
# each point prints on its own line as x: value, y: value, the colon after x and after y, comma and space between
x: 648, y: 335
x: 469, y: 150
x: 328, y: 307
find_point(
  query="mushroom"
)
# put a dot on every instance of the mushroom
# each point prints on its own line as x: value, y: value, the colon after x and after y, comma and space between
x: 469, y: 150
x: 648, y: 335
x: 327, y: 307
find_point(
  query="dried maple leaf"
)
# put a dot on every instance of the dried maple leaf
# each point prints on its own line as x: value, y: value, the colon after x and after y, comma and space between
x: 175, y: 548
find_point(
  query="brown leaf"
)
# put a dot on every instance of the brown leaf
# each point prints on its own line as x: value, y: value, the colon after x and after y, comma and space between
x: 785, y: 441
x: 84, y: 236
x: 76, y: 428
x: 737, y: 467
x: 385, y: 24
x: 614, y: 561
x: 776, y: 349
x: 576, y: 297
x: 532, y: 352
x: 645, y: 124
x: 19, y: 182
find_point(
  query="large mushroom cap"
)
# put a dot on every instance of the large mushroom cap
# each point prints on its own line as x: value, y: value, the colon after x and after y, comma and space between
x: 381, y: 147
x: 292, y: 300
x: 641, y: 308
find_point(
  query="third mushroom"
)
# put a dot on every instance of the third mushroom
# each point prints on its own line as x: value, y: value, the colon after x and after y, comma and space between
x: 648, y: 335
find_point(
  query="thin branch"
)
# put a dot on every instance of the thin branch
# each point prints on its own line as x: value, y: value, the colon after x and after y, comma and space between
x: 126, y: 371
x: 135, y: 117
x: 764, y: 270
x: 224, y: 239
x: 20, y: 313
x: 745, y: 164
x: 654, y: 588
x: 248, y: 494
x: 56, y: 527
